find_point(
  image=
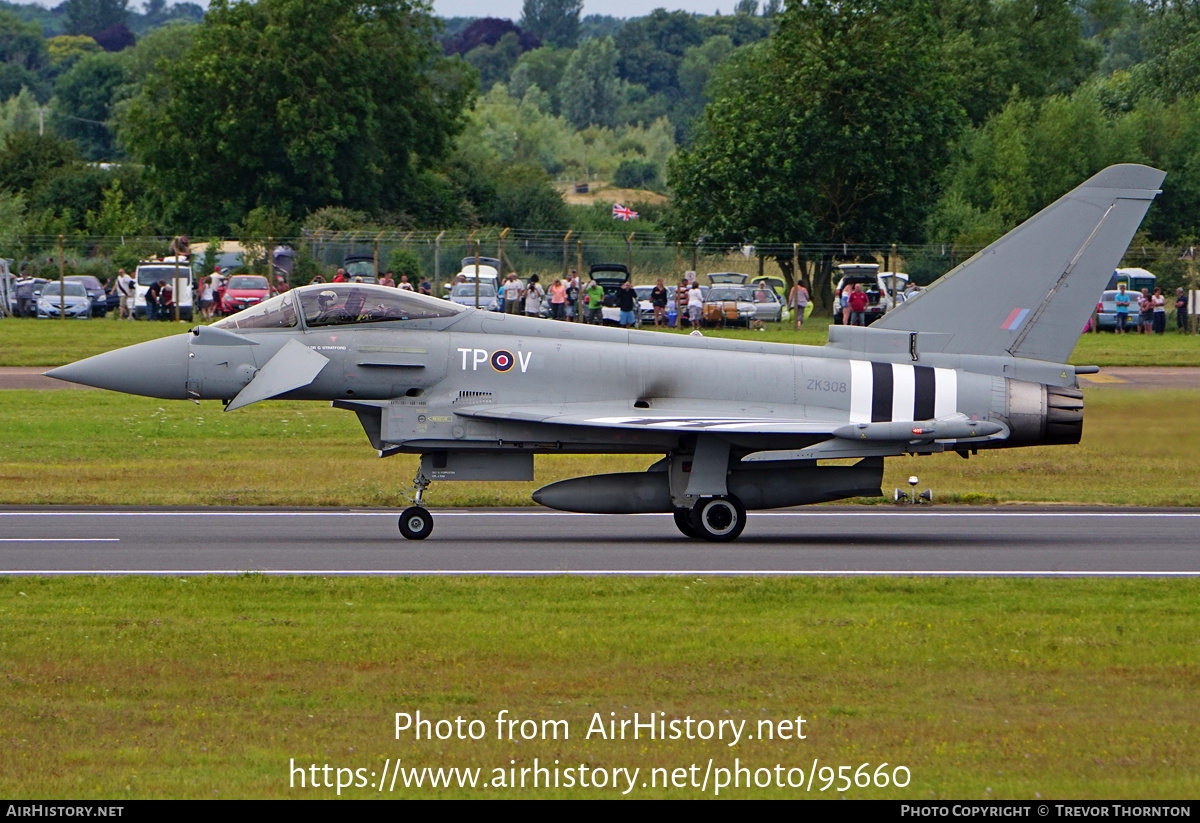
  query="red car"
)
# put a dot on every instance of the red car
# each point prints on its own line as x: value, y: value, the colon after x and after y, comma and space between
x: 242, y: 291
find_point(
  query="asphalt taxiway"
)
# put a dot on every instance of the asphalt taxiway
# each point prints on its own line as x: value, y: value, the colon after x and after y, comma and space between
x: 1009, y: 540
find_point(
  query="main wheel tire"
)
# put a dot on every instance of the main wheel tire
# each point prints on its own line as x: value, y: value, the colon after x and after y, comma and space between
x: 416, y: 523
x: 719, y: 519
x: 683, y: 520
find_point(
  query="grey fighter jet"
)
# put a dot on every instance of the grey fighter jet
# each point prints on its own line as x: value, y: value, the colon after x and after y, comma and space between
x: 976, y: 361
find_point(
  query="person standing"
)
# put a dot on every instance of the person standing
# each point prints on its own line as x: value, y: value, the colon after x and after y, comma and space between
x: 681, y: 302
x: 152, y: 295
x: 593, y: 302
x: 558, y: 300
x: 512, y: 294
x: 206, y: 298
x: 573, y: 297
x: 627, y: 304
x: 858, y: 306
x: 404, y: 285
x: 1121, y: 301
x: 1181, y: 322
x: 658, y: 299
x: 387, y: 280
x: 126, y: 290
x: 695, y: 304
x: 1158, y: 302
x: 533, y: 297
x: 1145, y: 312
x: 798, y: 302
x: 424, y: 286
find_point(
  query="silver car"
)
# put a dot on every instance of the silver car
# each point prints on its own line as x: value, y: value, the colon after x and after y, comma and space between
x: 464, y: 295
x: 767, y: 306
x: 74, y: 297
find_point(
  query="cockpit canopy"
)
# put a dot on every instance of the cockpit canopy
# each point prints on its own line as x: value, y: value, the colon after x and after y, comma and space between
x: 339, y: 304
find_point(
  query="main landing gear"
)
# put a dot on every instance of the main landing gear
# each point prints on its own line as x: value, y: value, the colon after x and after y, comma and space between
x: 718, y: 519
x: 416, y: 523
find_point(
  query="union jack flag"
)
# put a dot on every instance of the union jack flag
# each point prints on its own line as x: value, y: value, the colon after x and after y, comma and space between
x: 623, y: 213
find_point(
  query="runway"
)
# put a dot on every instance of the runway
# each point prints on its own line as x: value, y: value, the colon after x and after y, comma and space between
x: 1006, y: 540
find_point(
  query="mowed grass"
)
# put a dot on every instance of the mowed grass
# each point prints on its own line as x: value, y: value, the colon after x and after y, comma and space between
x: 92, y: 447
x: 29, y: 342
x: 983, y: 689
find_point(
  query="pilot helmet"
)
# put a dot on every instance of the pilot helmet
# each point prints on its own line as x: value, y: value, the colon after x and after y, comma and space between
x: 325, y: 299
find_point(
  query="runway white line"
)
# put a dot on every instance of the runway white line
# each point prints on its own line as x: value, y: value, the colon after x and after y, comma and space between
x: 593, y: 573
x: 756, y: 514
x: 60, y: 540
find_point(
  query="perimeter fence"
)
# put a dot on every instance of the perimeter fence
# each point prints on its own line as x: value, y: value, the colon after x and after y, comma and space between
x: 438, y: 255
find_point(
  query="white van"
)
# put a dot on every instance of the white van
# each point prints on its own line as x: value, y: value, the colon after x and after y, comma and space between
x: 152, y: 271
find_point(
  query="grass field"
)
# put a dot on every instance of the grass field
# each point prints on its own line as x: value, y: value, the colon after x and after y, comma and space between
x: 28, y: 342
x: 982, y: 689
x: 92, y: 447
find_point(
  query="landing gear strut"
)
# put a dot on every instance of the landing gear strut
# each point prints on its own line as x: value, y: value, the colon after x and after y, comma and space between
x: 719, y: 519
x: 416, y: 523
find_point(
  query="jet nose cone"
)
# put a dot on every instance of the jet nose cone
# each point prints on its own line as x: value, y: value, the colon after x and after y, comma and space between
x: 156, y: 368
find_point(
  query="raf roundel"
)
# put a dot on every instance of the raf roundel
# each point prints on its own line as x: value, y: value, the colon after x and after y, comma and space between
x: 502, y: 360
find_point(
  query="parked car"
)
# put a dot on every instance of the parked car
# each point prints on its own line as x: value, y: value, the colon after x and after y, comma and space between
x: 646, y: 306
x: 72, y: 301
x: 361, y: 266
x: 1106, y: 311
x: 776, y: 284
x: 243, y: 291
x: 95, y: 292
x: 464, y: 295
x: 153, y: 271
x: 609, y: 276
x: 768, y: 306
x: 24, y: 294
x: 879, y: 302
x: 730, y: 278
x: 728, y: 306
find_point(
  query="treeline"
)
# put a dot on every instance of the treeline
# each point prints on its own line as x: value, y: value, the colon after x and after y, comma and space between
x: 857, y: 121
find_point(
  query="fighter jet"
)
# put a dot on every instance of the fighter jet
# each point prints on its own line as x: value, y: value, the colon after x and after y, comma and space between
x: 976, y: 361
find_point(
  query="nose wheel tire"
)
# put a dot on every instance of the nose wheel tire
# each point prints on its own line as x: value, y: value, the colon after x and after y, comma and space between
x: 416, y: 523
x: 683, y: 521
x: 718, y: 519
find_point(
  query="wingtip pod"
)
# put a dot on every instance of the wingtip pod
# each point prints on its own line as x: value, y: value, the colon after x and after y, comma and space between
x: 1030, y: 293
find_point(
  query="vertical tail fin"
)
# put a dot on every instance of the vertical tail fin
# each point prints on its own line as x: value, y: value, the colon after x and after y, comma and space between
x: 1031, y: 292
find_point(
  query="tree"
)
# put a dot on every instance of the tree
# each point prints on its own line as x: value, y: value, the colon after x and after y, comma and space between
x: 295, y: 105
x: 554, y: 22
x: 827, y: 133
x: 28, y: 159
x: 1034, y: 46
x: 590, y: 90
x: 542, y: 68
x: 21, y: 44
x: 82, y: 104
x: 495, y: 63
x: 487, y: 31
x: 92, y: 16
